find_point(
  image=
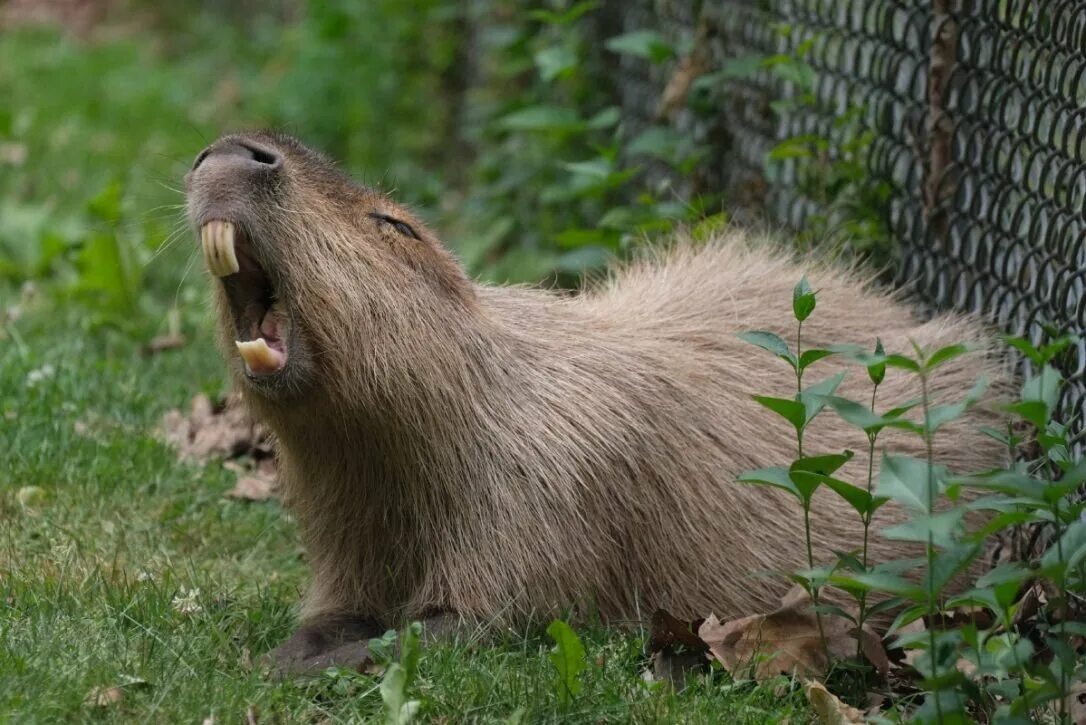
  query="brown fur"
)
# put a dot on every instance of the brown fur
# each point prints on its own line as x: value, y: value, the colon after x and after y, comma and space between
x: 498, y: 451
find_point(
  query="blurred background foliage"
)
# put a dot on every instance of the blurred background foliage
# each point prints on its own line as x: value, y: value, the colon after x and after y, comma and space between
x: 500, y: 121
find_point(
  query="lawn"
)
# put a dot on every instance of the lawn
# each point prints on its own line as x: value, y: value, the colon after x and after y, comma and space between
x: 131, y: 587
x: 121, y: 566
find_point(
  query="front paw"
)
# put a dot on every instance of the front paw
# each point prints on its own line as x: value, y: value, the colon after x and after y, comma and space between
x: 289, y: 660
x: 329, y: 641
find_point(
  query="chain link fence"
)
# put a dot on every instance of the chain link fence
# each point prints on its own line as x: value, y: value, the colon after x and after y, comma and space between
x: 976, y: 115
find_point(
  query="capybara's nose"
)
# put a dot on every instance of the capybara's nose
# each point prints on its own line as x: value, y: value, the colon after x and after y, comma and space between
x: 243, y: 153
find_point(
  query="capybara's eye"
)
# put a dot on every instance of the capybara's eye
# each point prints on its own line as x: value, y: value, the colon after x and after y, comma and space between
x: 400, y: 226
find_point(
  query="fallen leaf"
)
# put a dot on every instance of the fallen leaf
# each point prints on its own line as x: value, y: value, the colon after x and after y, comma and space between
x: 250, y: 715
x: 225, y: 431
x: 1076, y: 704
x: 104, y: 696
x: 829, y: 708
x: 788, y: 641
x: 30, y: 496
x: 162, y: 343
x: 209, y: 431
x: 676, y: 650
x: 253, y: 488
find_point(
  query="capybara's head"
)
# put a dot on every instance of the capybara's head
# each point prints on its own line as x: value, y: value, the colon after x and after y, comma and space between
x: 314, y: 272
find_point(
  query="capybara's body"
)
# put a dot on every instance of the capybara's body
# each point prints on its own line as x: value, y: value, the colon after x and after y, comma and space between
x: 497, y: 452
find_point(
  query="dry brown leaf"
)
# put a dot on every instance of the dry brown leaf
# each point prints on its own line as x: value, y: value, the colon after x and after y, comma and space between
x: 788, y: 641
x: 676, y: 650
x: 162, y: 343
x: 104, y: 696
x: 257, y: 487
x: 222, y: 430
x: 226, y: 431
x: 829, y: 708
x: 1076, y: 704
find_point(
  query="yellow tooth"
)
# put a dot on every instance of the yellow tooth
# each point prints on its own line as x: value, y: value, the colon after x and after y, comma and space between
x: 258, y: 356
x: 220, y: 254
x: 227, y: 251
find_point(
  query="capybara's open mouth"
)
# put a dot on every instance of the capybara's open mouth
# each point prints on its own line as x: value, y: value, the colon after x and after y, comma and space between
x: 260, y: 319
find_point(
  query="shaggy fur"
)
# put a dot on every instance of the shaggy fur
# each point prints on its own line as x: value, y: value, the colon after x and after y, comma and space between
x: 498, y: 451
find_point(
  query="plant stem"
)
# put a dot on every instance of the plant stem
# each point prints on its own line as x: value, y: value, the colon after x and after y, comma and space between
x: 807, y: 504
x: 866, y: 518
x: 799, y: 391
x: 931, y: 540
x: 1061, y: 583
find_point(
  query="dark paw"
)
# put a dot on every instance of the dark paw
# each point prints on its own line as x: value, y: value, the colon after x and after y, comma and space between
x: 331, y: 641
x: 287, y: 662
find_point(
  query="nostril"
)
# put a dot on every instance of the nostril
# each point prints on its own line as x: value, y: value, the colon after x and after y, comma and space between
x: 200, y: 158
x: 244, y: 149
x: 262, y: 156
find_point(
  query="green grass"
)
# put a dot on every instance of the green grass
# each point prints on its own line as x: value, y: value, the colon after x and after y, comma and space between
x: 103, y: 532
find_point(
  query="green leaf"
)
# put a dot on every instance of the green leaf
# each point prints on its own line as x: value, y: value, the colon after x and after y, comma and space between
x: 803, y: 300
x: 552, y: 17
x: 1069, y: 482
x: 858, y: 498
x: 951, y: 561
x: 1072, y: 545
x: 399, y: 676
x: 555, y: 62
x: 1011, y: 483
x: 646, y: 44
x: 769, y: 341
x: 881, y: 582
x: 812, y: 356
x: 398, y: 709
x: 542, y: 118
x: 657, y: 142
x: 814, y: 397
x: 1044, y: 387
x: 944, y: 355
x: 876, y: 371
x: 606, y: 118
x: 791, y: 410
x: 905, y: 479
x: 859, y: 416
x: 903, y: 362
x: 939, y: 415
x: 568, y: 658
x: 1012, y: 572
x: 825, y: 465
x: 944, y: 528
x: 806, y: 483
x: 776, y: 476
x: 1034, y: 411
x: 743, y: 66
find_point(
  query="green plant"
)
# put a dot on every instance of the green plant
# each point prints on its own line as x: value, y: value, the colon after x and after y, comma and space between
x: 806, y: 473
x: 560, y: 184
x: 830, y: 165
x: 1006, y: 681
x: 568, y: 658
x: 400, y: 676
